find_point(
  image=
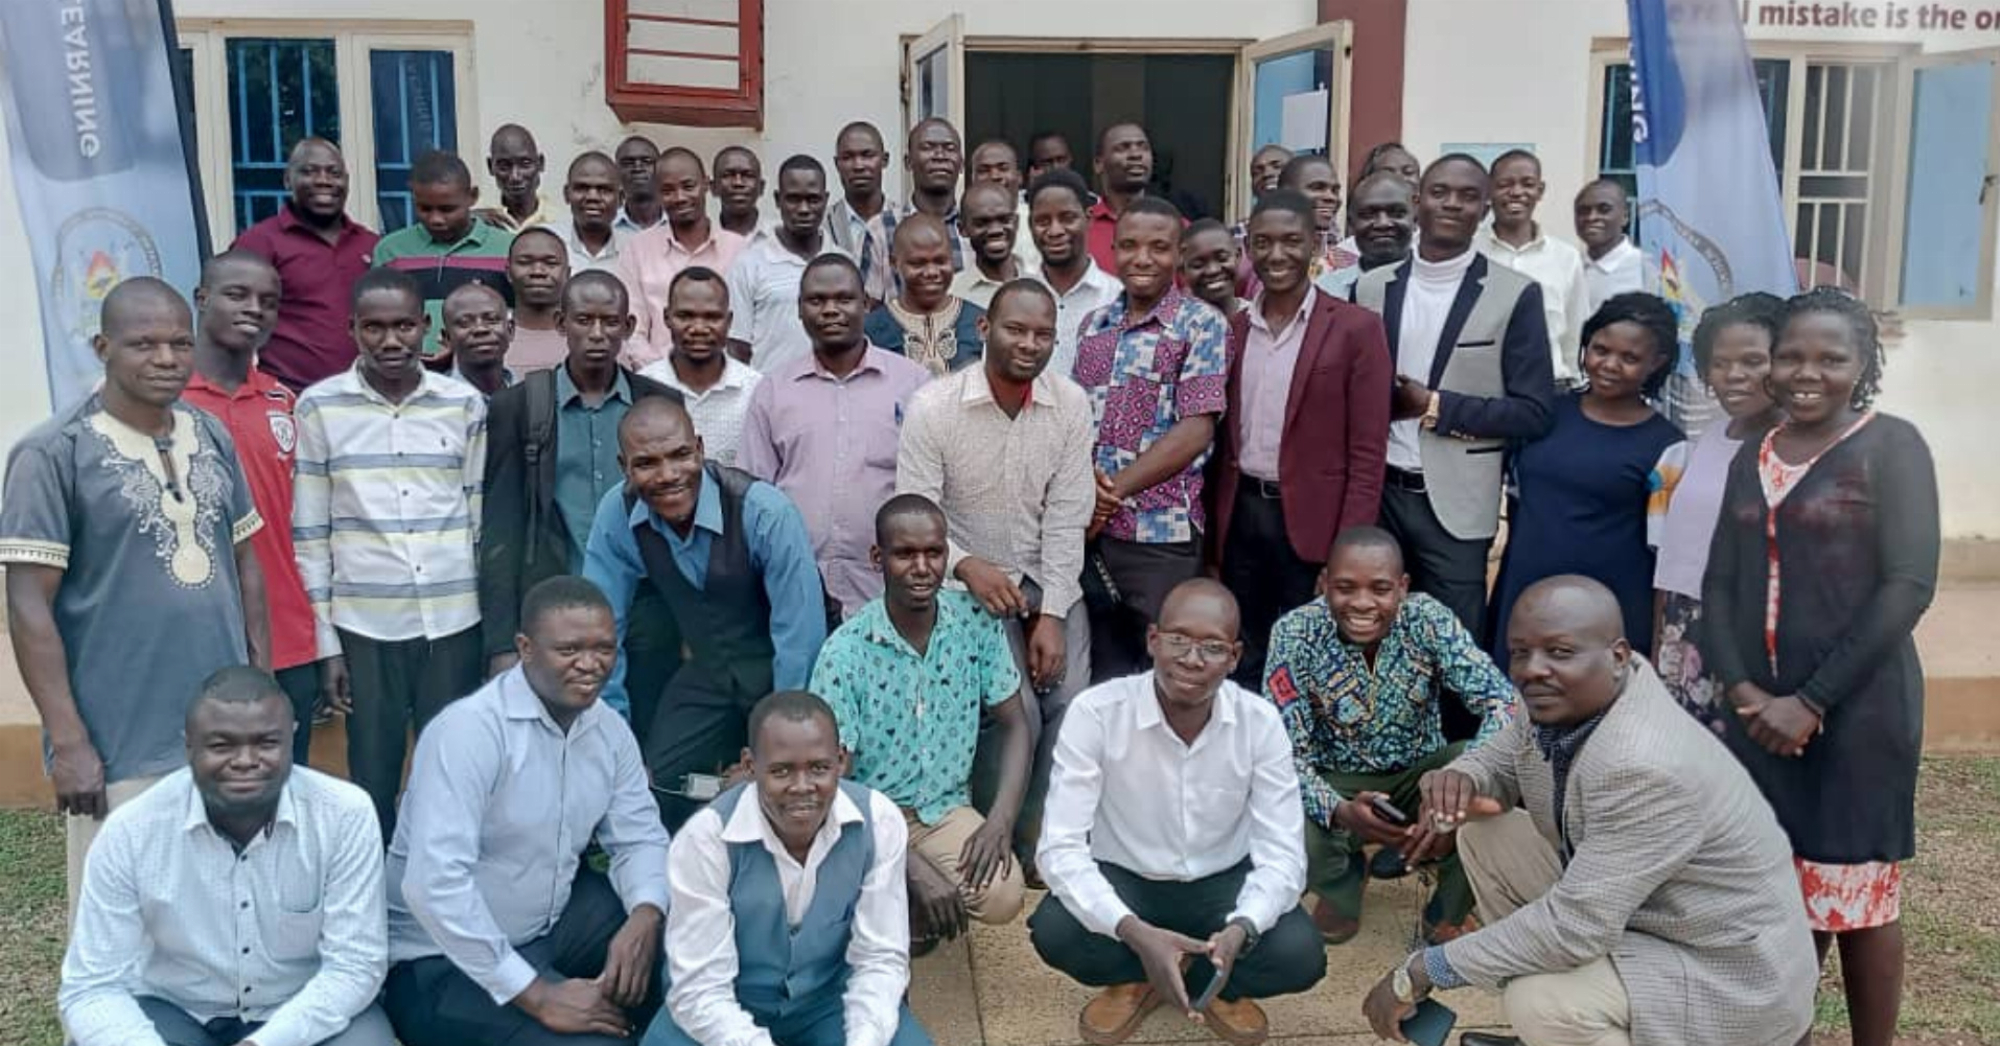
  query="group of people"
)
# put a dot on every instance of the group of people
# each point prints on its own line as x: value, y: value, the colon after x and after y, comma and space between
x: 769, y: 602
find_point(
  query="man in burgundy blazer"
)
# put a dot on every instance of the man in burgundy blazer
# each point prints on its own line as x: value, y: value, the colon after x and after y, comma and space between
x: 1307, y: 428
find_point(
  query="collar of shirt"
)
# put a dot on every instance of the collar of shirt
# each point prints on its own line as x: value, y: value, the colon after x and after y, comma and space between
x: 1101, y: 211
x: 810, y: 366
x: 1148, y: 715
x: 1166, y: 308
x: 287, y: 812
x: 979, y: 390
x: 736, y: 374
x: 1256, y: 307
x: 707, y: 513
x: 289, y: 221
x: 765, y: 240
x: 566, y: 389
x: 665, y: 233
x: 1093, y: 279
x: 878, y: 629
x: 749, y: 825
x: 1491, y: 241
x: 624, y: 221
x: 256, y: 383
x: 1558, y: 740
x: 1613, y: 258
x: 506, y: 376
x: 519, y: 701
x: 474, y: 237
x: 427, y: 381
x: 538, y: 216
x: 573, y: 240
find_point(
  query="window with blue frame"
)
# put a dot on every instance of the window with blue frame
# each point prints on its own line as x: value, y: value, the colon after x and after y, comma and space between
x: 280, y: 90
x: 416, y: 110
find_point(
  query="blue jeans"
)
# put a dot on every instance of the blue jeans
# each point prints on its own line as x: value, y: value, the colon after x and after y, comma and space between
x: 814, y: 1022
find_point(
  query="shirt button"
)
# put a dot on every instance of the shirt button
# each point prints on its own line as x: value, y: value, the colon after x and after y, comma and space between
x: 246, y: 904
x: 246, y: 951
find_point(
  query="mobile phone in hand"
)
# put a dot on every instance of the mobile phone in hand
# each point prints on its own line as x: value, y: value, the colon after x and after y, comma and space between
x: 1388, y: 811
x: 1209, y: 993
x: 1430, y: 1025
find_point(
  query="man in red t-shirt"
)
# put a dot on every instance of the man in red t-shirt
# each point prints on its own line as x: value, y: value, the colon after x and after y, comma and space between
x: 236, y: 307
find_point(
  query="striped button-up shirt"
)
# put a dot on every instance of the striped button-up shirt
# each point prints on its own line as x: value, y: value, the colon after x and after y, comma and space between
x: 289, y: 930
x: 386, y: 508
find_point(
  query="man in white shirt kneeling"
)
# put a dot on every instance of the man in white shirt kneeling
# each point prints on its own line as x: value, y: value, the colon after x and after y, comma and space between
x: 1141, y: 885
x: 790, y: 917
x: 237, y: 901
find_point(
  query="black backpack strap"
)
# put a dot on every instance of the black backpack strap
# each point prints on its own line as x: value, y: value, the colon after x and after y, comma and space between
x: 541, y: 410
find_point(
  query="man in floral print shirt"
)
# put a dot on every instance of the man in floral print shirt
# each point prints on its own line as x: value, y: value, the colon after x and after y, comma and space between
x: 1359, y: 677
x: 1155, y: 362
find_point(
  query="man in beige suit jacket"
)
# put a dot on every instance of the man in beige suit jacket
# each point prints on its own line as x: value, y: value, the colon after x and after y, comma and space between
x: 1645, y: 896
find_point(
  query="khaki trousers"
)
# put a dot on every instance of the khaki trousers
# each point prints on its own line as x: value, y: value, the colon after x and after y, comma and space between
x: 1510, y: 865
x: 941, y: 843
x: 80, y: 832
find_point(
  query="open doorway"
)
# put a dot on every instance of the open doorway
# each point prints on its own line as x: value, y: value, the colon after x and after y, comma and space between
x: 1183, y: 101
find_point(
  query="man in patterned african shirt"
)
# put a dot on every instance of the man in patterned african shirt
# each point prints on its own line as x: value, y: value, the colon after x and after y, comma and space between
x: 908, y: 677
x: 130, y: 577
x: 1359, y: 676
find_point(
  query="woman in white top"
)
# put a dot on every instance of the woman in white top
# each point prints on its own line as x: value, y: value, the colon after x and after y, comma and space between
x: 1732, y: 351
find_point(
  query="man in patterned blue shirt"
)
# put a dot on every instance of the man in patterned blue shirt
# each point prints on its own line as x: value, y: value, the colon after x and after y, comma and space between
x: 1359, y: 676
x: 907, y: 677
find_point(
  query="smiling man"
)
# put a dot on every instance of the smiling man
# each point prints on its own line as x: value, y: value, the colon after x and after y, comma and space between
x: 715, y: 385
x: 990, y: 219
x: 1645, y: 894
x: 595, y: 194
x: 764, y: 326
x: 731, y: 558
x: 1515, y: 240
x: 238, y: 901
x: 684, y: 239
x: 924, y: 320
x: 1359, y: 676
x: 478, y: 332
x: 1315, y: 177
x: 498, y: 929
x: 739, y: 187
x: 1381, y: 218
x: 1612, y: 265
x: 787, y: 925
x: 390, y: 663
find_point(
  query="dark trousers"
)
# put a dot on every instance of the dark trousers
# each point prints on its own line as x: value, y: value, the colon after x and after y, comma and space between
x: 176, y: 1027
x: 1450, y: 570
x: 700, y: 726
x: 1267, y: 576
x: 1143, y: 575
x: 431, y: 1003
x: 301, y: 684
x: 398, y: 685
x: 1290, y: 958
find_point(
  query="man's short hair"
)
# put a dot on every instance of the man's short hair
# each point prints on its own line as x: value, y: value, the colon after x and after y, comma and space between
x: 793, y: 706
x: 1515, y: 154
x: 833, y: 261
x: 1202, y: 225
x: 1013, y: 288
x: 592, y: 156
x: 904, y: 506
x: 1060, y: 179
x: 561, y: 592
x: 596, y: 278
x: 1451, y: 158
x: 860, y: 125
x: 1366, y: 536
x: 232, y: 256
x: 1297, y: 165
x: 1153, y: 205
x: 801, y: 162
x: 1105, y: 133
x: 1290, y: 201
x: 682, y: 152
x: 697, y: 274
x: 728, y: 149
x: 385, y: 279
x: 538, y: 230
x: 439, y: 167
x: 239, y: 685
x: 997, y: 143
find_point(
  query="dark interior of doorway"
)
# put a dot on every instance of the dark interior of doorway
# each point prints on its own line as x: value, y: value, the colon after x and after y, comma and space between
x: 1181, y: 99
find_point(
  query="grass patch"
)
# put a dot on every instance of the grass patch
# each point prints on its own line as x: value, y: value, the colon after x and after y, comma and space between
x: 32, y: 922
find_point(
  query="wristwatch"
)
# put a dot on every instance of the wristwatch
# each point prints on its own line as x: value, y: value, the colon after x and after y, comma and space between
x: 1250, y: 934
x: 1430, y: 418
x: 1402, y: 985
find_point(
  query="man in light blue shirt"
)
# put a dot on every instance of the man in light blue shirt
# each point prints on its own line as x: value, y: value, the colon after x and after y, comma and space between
x: 731, y: 558
x: 497, y: 933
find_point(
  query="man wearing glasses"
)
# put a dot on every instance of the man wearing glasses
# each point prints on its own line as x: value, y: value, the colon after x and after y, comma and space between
x: 1173, y: 846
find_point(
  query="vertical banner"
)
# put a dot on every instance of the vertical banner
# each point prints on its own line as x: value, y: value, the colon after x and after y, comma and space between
x: 99, y: 162
x: 1711, y: 212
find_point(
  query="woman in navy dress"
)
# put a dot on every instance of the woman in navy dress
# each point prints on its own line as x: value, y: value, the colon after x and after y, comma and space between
x: 1581, y: 494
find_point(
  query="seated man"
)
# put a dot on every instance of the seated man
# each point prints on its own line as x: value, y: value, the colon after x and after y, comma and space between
x: 1646, y: 894
x: 237, y: 900
x: 497, y: 931
x: 788, y: 925
x: 1173, y: 834
x: 1359, y: 677
x: 907, y: 677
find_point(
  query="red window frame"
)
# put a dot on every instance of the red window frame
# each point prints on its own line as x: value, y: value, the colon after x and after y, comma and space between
x: 687, y: 106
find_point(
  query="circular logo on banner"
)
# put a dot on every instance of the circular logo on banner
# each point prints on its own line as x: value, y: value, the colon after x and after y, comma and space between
x: 96, y: 249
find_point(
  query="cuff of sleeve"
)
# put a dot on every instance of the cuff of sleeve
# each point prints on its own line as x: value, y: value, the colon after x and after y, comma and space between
x: 326, y: 639
x: 509, y: 979
x: 284, y: 1032
x: 1439, y: 970
x: 1263, y: 921
x: 655, y: 895
x: 1104, y: 916
x: 863, y: 1030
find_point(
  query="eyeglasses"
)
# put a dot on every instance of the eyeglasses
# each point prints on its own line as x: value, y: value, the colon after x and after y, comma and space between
x: 1212, y: 651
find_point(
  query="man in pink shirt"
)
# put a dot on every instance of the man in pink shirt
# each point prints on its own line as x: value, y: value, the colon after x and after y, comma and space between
x: 650, y: 262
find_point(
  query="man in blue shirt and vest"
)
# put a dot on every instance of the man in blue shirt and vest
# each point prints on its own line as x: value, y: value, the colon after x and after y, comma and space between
x: 730, y: 557
x: 788, y: 923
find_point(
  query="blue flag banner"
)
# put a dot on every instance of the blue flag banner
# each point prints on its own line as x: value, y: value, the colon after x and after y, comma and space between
x: 1711, y: 212
x: 99, y: 164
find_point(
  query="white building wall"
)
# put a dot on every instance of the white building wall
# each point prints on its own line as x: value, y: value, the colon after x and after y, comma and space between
x: 1519, y: 71
x: 540, y: 63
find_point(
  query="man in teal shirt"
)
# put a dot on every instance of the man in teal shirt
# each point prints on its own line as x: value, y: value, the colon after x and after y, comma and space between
x: 908, y: 676
x: 446, y: 248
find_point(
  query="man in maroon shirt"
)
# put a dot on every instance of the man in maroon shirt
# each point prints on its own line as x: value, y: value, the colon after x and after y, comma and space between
x: 1124, y: 165
x: 319, y: 252
x: 236, y: 306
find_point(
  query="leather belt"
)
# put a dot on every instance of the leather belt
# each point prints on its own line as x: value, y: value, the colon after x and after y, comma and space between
x: 1403, y: 479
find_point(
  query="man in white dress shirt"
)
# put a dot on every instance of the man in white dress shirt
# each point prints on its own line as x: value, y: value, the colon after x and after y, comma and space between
x: 1515, y: 239
x: 237, y: 901
x: 497, y: 932
x: 790, y: 919
x: 1611, y: 264
x: 1173, y: 846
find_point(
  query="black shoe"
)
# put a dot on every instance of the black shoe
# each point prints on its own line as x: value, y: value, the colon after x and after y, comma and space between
x: 1387, y: 864
x: 1480, y: 1038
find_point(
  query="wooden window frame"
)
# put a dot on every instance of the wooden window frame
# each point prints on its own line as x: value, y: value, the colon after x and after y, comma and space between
x: 742, y: 106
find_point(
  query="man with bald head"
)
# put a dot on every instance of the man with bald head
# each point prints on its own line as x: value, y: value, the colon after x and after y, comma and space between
x: 1645, y: 895
x: 1172, y: 841
x: 687, y: 237
x: 515, y: 162
x: 923, y: 320
x: 319, y: 252
x: 120, y: 515
x: 595, y: 193
x: 732, y: 560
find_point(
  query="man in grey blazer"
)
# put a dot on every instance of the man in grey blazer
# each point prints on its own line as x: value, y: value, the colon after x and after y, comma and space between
x: 1472, y: 375
x: 1645, y: 896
